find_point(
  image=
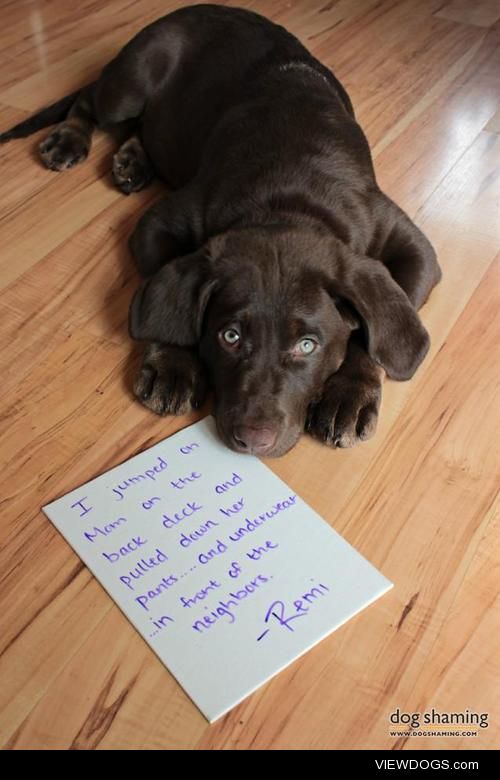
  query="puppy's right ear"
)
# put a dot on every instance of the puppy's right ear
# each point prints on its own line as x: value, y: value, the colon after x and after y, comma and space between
x: 169, y: 307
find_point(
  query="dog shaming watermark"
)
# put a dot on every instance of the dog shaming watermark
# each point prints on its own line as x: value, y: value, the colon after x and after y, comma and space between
x: 437, y: 723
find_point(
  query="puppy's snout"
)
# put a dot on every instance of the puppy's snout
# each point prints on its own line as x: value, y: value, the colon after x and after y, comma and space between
x: 255, y: 439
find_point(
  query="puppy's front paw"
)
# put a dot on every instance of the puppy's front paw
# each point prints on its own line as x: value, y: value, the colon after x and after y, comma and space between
x: 171, y: 380
x: 64, y: 147
x: 347, y: 412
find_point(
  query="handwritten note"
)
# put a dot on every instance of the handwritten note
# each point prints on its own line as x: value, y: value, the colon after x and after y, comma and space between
x: 224, y: 571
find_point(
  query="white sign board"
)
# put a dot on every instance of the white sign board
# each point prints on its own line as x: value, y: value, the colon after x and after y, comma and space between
x: 227, y: 574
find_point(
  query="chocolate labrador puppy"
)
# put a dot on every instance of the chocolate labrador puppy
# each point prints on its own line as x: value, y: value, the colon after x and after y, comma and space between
x: 276, y: 271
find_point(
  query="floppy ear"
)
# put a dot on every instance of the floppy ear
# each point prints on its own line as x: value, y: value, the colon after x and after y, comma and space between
x: 169, y: 307
x: 397, y: 340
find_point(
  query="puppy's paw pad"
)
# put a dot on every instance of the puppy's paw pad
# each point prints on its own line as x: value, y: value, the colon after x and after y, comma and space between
x: 65, y: 147
x: 131, y: 168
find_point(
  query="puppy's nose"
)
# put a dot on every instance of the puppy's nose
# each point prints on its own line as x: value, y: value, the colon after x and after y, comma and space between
x: 255, y: 439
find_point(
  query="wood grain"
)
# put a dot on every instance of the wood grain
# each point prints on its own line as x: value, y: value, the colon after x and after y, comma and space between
x: 420, y: 500
x: 482, y: 14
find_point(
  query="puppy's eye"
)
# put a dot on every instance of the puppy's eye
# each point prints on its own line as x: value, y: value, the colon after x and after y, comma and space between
x: 230, y: 336
x: 305, y: 347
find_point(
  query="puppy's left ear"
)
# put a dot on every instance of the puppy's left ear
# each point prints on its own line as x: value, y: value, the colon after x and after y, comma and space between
x: 169, y: 307
x: 397, y: 340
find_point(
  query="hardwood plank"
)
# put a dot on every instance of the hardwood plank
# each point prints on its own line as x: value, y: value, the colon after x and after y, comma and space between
x: 72, y: 198
x: 493, y: 125
x: 122, y: 690
x: 474, y: 617
x: 470, y: 193
x: 482, y: 14
x: 418, y: 151
x: 57, y: 55
x: 402, y: 33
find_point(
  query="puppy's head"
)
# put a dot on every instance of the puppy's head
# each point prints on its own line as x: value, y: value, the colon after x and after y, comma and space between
x: 272, y: 311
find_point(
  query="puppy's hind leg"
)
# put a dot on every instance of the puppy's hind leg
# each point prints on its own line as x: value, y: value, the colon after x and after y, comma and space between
x: 116, y: 97
x: 69, y: 143
x: 132, y: 170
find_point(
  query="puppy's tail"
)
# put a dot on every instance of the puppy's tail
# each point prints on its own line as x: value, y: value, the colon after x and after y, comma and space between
x: 44, y: 118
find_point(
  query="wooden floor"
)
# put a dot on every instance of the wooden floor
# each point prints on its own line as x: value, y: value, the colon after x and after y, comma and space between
x: 420, y: 500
